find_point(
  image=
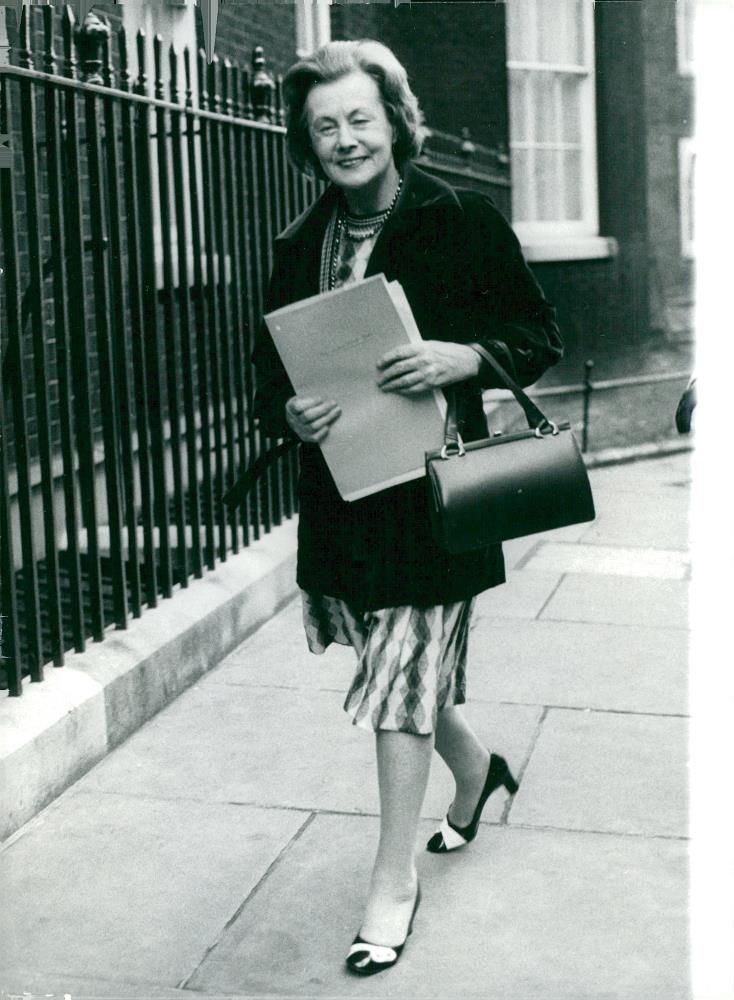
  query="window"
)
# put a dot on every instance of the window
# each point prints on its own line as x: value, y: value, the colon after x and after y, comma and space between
x: 313, y: 25
x: 177, y: 24
x: 4, y: 44
x: 550, y: 46
x: 684, y: 14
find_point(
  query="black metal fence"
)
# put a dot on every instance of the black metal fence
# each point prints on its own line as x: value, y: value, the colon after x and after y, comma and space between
x: 137, y: 227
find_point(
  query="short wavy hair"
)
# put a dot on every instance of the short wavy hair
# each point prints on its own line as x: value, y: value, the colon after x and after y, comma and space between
x: 333, y: 61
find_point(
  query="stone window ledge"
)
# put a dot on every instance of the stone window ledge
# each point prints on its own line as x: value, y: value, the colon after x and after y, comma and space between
x: 570, y: 248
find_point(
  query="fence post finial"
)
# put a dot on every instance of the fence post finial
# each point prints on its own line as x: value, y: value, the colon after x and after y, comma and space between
x: 263, y: 87
x: 90, y: 37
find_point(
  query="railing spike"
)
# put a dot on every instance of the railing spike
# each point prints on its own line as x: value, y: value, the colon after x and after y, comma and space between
x: 236, y: 91
x: 173, y: 67
x: 108, y: 74
x: 157, y: 67
x: 125, y: 77
x: 189, y: 95
x: 226, y: 76
x: 247, y: 109
x: 68, y: 22
x: 279, y: 103
x: 141, y: 84
x: 25, y: 55
x: 213, y: 74
x: 49, y: 53
x: 203, y: 93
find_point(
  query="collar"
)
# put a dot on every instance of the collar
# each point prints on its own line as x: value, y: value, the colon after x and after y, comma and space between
x: 420, y: 191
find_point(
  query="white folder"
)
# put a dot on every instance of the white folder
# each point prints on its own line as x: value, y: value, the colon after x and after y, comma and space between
x: 330, y: 345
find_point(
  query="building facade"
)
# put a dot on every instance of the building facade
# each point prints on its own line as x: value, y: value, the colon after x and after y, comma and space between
x: 591, y: 102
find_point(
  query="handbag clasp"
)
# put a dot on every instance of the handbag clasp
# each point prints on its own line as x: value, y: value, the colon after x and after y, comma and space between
x: 456, y: 448
x: 546, y: 427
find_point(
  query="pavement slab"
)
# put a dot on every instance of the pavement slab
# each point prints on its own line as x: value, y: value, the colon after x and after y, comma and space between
x: 30, y: 984
x: 279, y: 747
x: 132, y: 889
x: 643, y: 521
x: 669, y: 476
x: 608, y: 560
x: 609, y: 772
x: 517, y: 915
x: 583, y: 597
x: 277, y: 656
x: 523, y: 596
x: 579, y: 664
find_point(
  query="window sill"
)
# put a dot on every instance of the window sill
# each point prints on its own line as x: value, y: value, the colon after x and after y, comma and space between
x: 570, y: 248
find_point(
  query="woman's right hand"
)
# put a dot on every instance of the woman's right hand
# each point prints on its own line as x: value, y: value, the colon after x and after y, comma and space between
x: 310, y: 417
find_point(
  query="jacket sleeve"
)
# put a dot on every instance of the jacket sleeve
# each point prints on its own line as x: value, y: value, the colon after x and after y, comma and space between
x: 513, y: 320
x: 273, y: 388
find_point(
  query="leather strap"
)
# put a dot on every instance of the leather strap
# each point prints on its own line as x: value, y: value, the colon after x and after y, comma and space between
x: 236, y: 494
x: 534, y: 415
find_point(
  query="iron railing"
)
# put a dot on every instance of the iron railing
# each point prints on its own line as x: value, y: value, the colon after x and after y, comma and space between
x: 138, y: 220
x: 586, y: 388
x: 137, y: 227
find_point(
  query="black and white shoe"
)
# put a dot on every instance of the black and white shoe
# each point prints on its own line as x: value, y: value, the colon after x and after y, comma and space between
x: 367, y: 959
x: 449, y: 837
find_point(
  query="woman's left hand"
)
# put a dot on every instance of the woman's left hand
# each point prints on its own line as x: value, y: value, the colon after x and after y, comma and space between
x: 414, y: 368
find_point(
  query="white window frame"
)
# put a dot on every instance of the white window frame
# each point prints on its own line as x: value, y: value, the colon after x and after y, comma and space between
x: 4, y: 42
x: 685, y: 12
x: 176, y: 23
x: 686, y: 167
x: 313, y: 25
x: 580, y: 235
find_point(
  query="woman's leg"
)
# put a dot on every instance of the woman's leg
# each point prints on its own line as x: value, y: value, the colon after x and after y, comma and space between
x: 403, y: 766
x: 467, y: 759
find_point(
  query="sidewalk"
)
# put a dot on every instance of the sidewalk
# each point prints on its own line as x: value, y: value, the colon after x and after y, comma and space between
x: 224, y: 849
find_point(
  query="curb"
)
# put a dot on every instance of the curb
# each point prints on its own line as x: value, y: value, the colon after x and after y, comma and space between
x: 59, y: 729
x: 636, y: 453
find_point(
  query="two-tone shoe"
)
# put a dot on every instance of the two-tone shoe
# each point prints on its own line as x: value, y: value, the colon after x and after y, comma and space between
x: 366, y: 959
x: 449, y: 837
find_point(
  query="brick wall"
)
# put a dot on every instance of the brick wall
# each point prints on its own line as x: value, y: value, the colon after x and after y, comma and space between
x: 596, y: 301
x: 242, y: 26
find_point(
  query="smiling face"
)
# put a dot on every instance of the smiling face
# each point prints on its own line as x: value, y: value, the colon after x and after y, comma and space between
x: 353, y: 138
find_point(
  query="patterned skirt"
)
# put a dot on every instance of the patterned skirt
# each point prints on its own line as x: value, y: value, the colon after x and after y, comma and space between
x: 411, y: 662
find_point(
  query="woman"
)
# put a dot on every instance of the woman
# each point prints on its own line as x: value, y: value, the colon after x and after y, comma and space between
x: 370, y: 573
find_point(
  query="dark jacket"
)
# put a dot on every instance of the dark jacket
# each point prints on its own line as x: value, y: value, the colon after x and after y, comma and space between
x: 463, y: 273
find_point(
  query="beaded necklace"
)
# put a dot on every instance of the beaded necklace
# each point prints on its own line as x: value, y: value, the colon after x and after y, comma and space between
x: 358, y: 228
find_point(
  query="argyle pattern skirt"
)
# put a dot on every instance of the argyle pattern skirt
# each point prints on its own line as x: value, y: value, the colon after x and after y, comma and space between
x: 411, y: 662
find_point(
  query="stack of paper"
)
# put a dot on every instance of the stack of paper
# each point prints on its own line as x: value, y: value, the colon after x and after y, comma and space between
x: 330, y: 345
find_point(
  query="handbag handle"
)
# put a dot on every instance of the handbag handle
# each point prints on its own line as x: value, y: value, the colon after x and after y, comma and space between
x: 535, y: 417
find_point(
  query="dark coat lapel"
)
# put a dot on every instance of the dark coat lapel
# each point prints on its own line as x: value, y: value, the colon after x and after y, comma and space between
x: 301, y: 241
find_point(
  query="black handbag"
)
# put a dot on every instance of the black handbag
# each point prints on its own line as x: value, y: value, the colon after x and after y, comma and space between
x: 508, y: 485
